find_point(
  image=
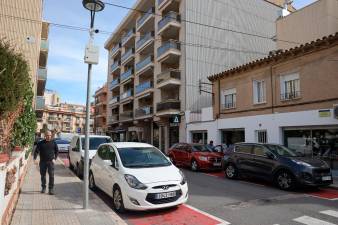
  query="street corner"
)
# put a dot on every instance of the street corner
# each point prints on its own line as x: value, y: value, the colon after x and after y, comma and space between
x: 181, y: 215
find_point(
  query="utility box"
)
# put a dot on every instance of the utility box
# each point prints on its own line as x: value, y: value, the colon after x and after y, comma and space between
x: 91, y: 54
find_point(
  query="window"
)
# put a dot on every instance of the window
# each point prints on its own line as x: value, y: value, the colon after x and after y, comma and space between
x: 290, y: 86
x: 259, y: 150
x: 229, y: 98
x: 94, y: 142
x: 103, y: 153
x: 244, y: 149
x: 261, y: 136
x: 259, y: 91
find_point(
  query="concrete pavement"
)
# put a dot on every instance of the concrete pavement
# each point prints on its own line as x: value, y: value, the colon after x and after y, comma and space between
x: 65, y: 207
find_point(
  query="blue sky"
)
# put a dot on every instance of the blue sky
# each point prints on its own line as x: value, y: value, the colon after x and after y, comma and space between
x: 67, y: 74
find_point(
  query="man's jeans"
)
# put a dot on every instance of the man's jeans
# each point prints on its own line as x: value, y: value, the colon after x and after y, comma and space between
x: 44, y: 167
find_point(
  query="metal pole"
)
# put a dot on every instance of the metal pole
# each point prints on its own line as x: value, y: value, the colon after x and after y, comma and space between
x: 86, y: 155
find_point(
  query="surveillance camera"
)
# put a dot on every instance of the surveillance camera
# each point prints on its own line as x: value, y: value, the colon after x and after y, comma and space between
x: 96, y: 31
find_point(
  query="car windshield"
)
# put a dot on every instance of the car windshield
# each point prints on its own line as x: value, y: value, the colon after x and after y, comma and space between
x: 282, y: 151
x: 201, y: 148
x: 60, y: 141
x: 142, y: 157
x: 94, y: 142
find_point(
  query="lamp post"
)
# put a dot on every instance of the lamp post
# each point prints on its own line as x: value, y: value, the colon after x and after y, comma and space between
x: 91, y: 57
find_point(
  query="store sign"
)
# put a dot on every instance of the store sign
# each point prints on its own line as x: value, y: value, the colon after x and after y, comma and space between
x: 175, y: 120
x: 324, y: 113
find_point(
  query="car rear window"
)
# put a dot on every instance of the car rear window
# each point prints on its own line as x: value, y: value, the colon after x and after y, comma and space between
x: 94, y: 142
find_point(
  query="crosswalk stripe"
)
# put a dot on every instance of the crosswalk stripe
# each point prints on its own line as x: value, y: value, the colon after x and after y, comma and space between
x: 311, y: 221
x: 330, y: 213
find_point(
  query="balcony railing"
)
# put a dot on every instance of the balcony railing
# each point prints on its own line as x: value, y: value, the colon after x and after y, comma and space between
x: 229, y: 105
x: 42, y: 74
x: 114, y: 100
x: 53, y: 118
x: 171, y: 16
x: 290, y: 95
x: 126, y: 115
x: 44, y: 46
x: 145, y: 62
x: 116, y: 48
x: 114, y: 118
x: 166, y: 46
x: 115, y: 65
x: 144, y: 111
x: 126, y: 37
x: 167, y: 75
x: 126, y: 75
x: 126, y: 55
x: 146, y: 15
x: 144, y: 86
x: 114, y: 83
x: 40, y: 102
x: 126, y: 94
x: 144, y: 39
x: 168, y: 105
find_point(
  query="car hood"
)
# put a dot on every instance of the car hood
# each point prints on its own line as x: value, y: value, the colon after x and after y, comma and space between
x: 209, y: 154
x: 91, y: 153
x: 313, y: 162
x: 155, y: 174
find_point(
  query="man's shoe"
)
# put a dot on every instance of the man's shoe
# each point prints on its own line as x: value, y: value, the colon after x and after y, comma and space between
x: 43, y: 190
x: 51, y: 192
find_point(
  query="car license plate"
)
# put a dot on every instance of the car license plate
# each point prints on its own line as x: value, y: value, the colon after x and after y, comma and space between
x: 217, y: 164
x: 326, y: 178
x: 165, y: 195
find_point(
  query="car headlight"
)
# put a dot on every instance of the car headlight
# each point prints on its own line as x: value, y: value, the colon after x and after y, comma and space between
x: 134, y: 182
x: 302, y: 163
x: 183, y: 180
x: 203, y: 158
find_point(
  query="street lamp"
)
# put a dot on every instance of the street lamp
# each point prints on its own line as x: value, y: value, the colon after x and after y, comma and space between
x: 91, y: 57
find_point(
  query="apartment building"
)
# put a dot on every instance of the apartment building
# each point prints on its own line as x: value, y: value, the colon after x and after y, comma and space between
x: 21, y: 24
x: 158, y: 59
x: 310, y: 23
x: 289, y: 98
x: 100, y: 110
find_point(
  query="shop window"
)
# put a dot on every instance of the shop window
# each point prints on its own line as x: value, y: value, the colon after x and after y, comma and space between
x: 259, y: 91
x: 200, y: 137
x: 290, y: 86
x: 261, y: 136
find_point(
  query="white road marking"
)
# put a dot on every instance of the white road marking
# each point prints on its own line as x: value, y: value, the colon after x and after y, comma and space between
x: 222, y: 222
x: 308, y: 220
x: 330, y: 213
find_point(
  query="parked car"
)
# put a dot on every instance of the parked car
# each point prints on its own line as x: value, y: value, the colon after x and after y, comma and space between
x: 197, y: 156
x: 278, y: 164
x: 76, y: 150
x: 63, y: 145
x: 137, y: 176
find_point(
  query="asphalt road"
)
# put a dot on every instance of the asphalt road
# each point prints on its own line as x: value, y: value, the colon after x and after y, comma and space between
x: 214, y: 199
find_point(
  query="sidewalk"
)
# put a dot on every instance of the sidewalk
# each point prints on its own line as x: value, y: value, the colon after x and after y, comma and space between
x: 65, y: 207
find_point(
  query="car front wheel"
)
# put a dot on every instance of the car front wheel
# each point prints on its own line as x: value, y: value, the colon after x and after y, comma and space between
x: 285, y: 180
x: 118, y: 200
x: 231, y: 171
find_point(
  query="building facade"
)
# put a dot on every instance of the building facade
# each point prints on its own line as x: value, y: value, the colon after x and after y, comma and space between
x: 158, y: 59
x: 21, y: 25
x: 100, y: 111
x: 289, y: 98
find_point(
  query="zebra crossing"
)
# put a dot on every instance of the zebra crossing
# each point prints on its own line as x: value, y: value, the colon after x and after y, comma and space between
x: 309, y: 220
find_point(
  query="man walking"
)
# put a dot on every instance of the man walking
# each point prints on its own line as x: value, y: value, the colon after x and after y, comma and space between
x: 48, y: 151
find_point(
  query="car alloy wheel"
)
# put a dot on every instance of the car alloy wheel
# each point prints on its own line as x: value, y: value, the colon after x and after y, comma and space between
x: 91, y: 181
x: 230, y: 171
x: 118, y: 201
x: 285, y: 180
x: 194, y: 166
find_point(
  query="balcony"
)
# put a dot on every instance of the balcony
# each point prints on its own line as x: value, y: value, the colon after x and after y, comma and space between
x: 127, y: 75
x: 143, y: 87
x: 53, y: 119
x: 42, y: 77
x: 229, y: 105
x: 127, y: 39
x: 116, y: 49
x: 168, y: 107
x: 44, y: 46
x: 128, y: 115
x: 114, y: 100
x: 144, y: 111
x: 144, y: 65
x: 144, y: 42
x: 40, y: 103
x: 42, y: 74
x: 116, y: 65
x: 126, y: 95
x: 114, y: 118
x: 114, y: 83
x: 146, y: 21
x: 163, y: 4
x: 127, y: 56
x: 169, y: 79
x: 169, y: 25
x: 169, y: 52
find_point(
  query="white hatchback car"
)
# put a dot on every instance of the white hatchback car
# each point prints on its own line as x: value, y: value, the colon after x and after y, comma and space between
x: 137, y: 176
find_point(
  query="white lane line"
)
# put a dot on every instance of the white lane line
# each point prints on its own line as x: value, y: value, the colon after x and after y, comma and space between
x: 222, y: 222
x: 330, y: 213
x: 308, y: 220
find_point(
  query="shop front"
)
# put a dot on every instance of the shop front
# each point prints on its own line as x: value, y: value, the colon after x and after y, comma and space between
x: 233, y: 136
x: 319, y: 142
x: 200, y: 137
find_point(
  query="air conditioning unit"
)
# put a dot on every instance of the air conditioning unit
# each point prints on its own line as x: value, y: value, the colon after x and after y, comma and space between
x: 335, y: 111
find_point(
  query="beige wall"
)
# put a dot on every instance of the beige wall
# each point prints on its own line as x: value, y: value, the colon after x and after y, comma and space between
x: 15, y: 28
x: 308, y: 24
x: 318, y: 74
x: 51, y: 98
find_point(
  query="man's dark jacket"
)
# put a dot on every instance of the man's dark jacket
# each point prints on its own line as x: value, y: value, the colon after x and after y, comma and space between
x: 48, y: 150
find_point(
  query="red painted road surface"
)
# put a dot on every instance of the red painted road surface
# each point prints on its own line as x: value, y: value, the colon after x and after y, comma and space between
x: 327, y: 193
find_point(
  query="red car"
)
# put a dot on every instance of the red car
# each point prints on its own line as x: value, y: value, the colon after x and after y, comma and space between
x: 197, y: 156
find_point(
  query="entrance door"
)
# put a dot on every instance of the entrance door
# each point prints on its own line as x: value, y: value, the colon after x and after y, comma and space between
x: 173, y: 135
x: 156, y: 136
